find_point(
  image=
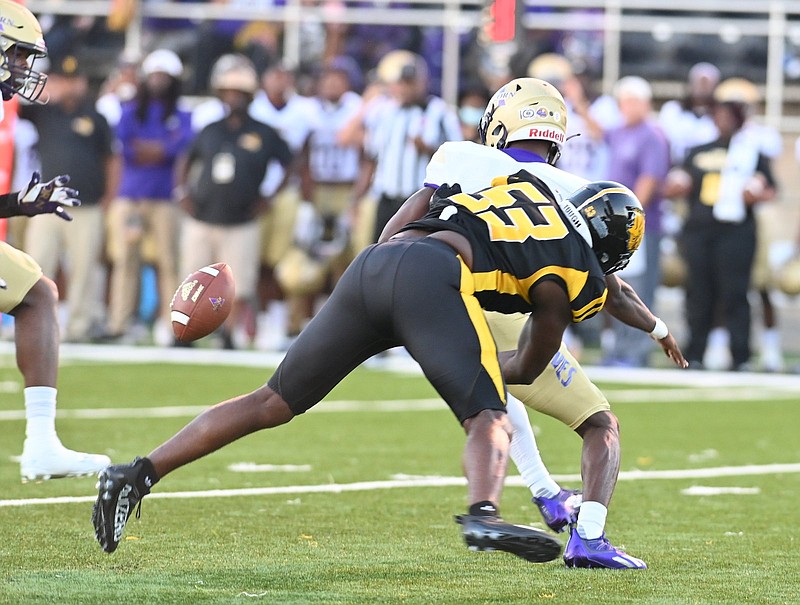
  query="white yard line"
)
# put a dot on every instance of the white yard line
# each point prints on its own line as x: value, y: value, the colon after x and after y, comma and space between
x: 678, y: 396
x: 404, y: 364
x: 422, y: 481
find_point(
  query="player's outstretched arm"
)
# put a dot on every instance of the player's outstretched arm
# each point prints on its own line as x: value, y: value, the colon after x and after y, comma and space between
x: 624, y: 304
x: 41, y: 198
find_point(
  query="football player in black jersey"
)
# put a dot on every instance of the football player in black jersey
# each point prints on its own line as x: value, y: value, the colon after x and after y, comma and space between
x: 510, y: 247
x: 524, y: 128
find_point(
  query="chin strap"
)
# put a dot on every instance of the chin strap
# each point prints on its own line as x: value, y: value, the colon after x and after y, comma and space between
x: 553, y: 154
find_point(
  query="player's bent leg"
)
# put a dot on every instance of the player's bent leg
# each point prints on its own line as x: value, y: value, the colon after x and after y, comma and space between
x: 485, y: 459
x: 36, y: 339
x: 600, y: 457
x: 121, y: 487
x: 220, y: 425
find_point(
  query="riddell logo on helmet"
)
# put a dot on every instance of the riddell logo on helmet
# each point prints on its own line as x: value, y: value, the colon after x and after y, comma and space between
x: 546, y: 133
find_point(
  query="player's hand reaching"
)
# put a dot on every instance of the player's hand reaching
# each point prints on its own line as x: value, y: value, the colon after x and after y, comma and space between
x: 47, y: 198
x: 673, y: 351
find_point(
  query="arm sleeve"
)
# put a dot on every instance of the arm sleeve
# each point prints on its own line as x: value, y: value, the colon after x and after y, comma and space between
x: 9, y: 205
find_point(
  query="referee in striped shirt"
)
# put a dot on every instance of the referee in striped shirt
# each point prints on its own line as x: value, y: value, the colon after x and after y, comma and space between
x: 402, y: 132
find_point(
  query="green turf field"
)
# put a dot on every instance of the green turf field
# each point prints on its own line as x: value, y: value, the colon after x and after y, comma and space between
x: 376, y: 542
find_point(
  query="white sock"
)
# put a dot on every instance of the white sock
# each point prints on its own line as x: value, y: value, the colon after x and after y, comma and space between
x: 525, y: 453
x: 591, y: 520
x: 771, y: 339
x: 719, y: 337
x: 40, y: 414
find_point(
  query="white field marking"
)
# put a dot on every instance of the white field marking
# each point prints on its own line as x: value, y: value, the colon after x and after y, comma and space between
x: 734, y: 395
x: 705, y: 490
x: 177, y: 411
x: 252, y: 467
x: 422, y: 481
x: 10, y: 386
x: 406, y: 365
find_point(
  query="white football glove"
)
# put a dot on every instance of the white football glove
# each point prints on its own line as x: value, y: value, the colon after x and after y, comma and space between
x: 47, y: 198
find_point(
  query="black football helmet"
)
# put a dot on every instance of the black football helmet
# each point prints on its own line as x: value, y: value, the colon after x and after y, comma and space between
x: 615, y: 219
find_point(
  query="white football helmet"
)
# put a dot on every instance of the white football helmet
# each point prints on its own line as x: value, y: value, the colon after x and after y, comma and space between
x: 525, y: 108
x: 21, y: 43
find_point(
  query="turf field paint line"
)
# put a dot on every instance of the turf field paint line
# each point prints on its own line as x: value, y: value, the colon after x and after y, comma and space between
x: 252, y: 467
x: 705, y: 490
x: 405, y: 365
x: 642, y: 396
x: 422, y: 481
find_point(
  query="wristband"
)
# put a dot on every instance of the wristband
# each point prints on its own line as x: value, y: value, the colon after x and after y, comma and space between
x: 660, y: 330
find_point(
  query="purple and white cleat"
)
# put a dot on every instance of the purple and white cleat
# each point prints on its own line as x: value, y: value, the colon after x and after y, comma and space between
x: 561, y: 510
x: 598, y: 553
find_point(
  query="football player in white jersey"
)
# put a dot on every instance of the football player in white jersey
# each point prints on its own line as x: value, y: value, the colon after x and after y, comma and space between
x: 25, y: 293
x: 532, y: 112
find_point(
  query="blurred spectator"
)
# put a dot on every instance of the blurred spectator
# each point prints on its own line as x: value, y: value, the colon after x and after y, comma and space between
x: 402, y: 133
x: 687, y: 122
x: 724, y: 180
x: 471, y: 104
x: 718, y: 354
x: 178, y: 35
x: 257, y: 40
x: 321, y: 248
x: 293, y: 116
x: 585, y: 153
x: 640, y: 161
x: 152, y: 132
x: 221, y: 184
x: 74, y: 139
x: 119, y: 87
x: 367, y: 43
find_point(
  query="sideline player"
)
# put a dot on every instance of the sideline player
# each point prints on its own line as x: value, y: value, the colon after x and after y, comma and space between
x: 25, y: 293
x: 524, y: 127
x: 449, y: 256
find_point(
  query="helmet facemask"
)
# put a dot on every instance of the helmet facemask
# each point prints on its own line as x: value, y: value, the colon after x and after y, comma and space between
x: 17, y: 73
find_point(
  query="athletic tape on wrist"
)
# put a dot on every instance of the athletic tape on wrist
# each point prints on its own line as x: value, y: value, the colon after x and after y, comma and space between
x: 660, y: 330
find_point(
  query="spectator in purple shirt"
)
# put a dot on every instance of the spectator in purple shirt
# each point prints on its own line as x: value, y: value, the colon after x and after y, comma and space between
x: 640, y: 159
x: 152, y: 133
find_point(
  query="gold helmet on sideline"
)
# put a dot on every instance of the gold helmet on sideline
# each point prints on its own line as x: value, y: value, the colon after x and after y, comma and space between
x: 301, y: 274
x: 737, y: 90
x: 789, y: 277
x: 550, y: 67
x: 20, y: 33
x: 401, y: 65
x: 525, y: 109
x: 234, y: 72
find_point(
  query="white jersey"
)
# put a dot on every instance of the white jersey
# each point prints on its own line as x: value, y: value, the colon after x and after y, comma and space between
x: 294, y: 121
x: 685, y: 129
x: 474, y: 166
x: 330, y: 161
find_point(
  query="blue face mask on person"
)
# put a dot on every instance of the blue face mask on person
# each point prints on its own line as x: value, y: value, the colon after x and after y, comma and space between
x: 470, y: 116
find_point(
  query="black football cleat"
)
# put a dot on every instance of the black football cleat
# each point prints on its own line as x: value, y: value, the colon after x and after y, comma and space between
x: 492, y: 533
x: 117, y: 497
